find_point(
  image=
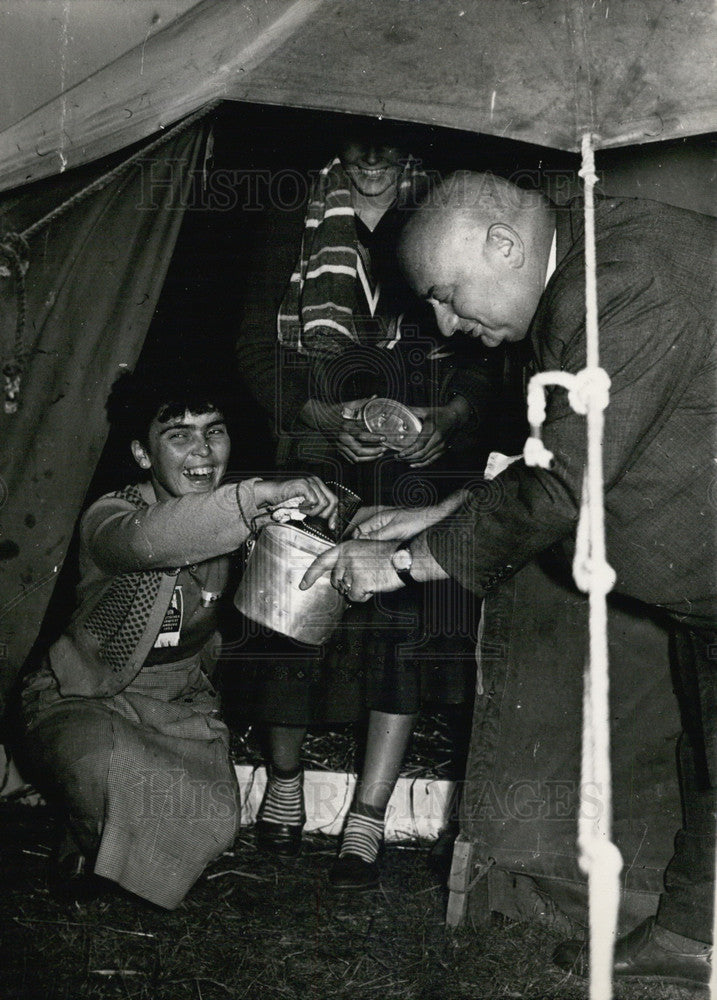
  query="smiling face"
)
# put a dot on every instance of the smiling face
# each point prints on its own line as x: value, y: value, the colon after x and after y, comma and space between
x: 185, y: 454
x: 372, y: 168
x: 475, y: 279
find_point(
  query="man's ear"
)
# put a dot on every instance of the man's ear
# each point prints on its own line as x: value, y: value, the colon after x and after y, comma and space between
x: 506, y: 243
x: 140, y: 455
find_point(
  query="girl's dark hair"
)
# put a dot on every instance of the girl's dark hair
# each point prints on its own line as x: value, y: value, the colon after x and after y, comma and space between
x: 137, y: 398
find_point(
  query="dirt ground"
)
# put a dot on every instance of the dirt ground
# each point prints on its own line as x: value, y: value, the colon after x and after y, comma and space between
x: 254, y: 927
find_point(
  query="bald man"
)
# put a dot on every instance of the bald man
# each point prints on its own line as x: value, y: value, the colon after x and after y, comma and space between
x: 481, y: 252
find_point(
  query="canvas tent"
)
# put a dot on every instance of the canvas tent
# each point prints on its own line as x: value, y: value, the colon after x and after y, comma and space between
x: 89, y: 80
x: 541, y: 71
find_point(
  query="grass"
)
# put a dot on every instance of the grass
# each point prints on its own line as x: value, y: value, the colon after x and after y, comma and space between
x: 257, y: 928
x: 431, y: 752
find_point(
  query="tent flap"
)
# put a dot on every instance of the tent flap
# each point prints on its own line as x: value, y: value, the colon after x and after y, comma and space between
x: 92, y: 285
x: 176, y: 71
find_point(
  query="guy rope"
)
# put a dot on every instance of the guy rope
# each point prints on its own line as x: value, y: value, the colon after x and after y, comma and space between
x: 588, y: 394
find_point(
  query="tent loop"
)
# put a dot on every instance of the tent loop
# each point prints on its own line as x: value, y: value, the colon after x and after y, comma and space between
x: 590, y: 386
x: 14, y: 248
x: 590, y: 575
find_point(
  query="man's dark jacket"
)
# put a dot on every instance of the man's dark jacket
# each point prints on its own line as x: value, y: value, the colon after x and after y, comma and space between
x: 658, y: 326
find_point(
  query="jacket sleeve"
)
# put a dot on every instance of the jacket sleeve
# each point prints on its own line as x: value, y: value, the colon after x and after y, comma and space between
x: 478, y: 378
x: 170, y: 533
x: 649, y: 348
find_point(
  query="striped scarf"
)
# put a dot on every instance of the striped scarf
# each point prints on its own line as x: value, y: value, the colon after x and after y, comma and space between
x: 316, y: 315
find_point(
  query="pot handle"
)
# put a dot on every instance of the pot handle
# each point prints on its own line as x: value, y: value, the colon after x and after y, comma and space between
x: 349, y: 503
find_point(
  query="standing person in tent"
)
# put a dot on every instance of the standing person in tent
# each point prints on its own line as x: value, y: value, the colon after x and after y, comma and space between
x: 346, y: 333
x: 123, y: 728
x: 480, y: 254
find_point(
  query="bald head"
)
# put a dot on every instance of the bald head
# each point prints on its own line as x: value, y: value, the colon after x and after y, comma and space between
x: 478, y: 249
x: 473, y: 201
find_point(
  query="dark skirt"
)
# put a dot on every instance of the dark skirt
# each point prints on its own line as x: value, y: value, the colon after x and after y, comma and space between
x: 390, y: 654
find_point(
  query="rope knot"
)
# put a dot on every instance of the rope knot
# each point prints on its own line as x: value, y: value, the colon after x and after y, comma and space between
x: 597, y: 851
x: 590, y: 575
x: 589, y: 176
x: 587, y: 170
x: 591, y: 385
x: 536, y: 454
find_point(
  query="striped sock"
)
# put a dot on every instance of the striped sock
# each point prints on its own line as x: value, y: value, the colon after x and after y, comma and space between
x: 362, y: 836
x: 283, y: 800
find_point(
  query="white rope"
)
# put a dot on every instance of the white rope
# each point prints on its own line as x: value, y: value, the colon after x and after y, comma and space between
x: 588, y: 394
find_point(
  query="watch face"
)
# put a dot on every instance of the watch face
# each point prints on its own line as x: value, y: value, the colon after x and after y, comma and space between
x: 402, y: 560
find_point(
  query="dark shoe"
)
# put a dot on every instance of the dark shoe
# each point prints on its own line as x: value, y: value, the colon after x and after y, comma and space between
x: 72, y: 881
x: 638, y: 954
x: 353, y: 873
x: 283, y: 839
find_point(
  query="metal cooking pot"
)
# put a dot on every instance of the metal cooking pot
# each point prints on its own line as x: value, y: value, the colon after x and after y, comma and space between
x: 269, y: 590
x: 398, y: 424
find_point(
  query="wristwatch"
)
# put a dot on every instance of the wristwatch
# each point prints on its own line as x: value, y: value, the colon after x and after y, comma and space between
x: 402, y: 561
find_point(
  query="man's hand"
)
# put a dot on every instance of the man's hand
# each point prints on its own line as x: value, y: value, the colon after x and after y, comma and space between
x: 439, y: 425
x: 362, y: 515
x: 395, y: 524
x: 351, y: 438
x: 400, y: 523
x: 317, y: 498
x: 359, y: 569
